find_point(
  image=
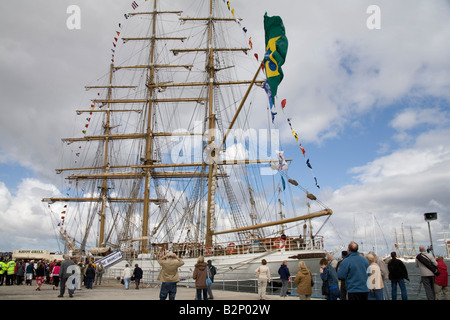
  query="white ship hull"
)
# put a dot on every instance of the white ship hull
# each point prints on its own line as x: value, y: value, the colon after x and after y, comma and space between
x: 239, y: 267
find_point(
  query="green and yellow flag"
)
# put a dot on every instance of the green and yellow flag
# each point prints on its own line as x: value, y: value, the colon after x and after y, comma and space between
x: 276, y: 50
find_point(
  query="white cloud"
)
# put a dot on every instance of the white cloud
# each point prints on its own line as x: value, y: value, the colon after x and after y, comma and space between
x: 24, y: 222
x: 339, y: 70
x: 411, y: 118
x: 397, y: 188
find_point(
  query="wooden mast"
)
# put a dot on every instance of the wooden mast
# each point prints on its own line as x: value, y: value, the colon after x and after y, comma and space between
x: 211, y: 133
x: 105, y: 163
x: 149, y: 149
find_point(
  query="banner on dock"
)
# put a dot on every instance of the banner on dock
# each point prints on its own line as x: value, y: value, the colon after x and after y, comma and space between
x: 110, y: 259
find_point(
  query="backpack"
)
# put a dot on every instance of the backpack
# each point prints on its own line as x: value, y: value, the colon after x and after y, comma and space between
x: 427, y: 263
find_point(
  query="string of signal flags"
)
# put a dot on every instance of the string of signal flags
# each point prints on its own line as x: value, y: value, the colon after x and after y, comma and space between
x: 268, y: 63
x: 274, y: 58
x: 282, y: 163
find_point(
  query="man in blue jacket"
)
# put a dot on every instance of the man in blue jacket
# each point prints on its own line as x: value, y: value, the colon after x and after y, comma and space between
x: 354, y: 270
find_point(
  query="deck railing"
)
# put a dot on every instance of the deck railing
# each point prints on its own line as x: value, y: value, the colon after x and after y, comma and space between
x: 192, y: 250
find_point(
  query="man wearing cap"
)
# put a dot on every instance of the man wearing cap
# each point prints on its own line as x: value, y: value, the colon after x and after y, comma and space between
x: 169, y: 275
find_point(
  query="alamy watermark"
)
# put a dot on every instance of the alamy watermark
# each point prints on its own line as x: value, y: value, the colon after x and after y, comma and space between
x: 73, y: 22
x: 374, y: 20
x: 240, y: 146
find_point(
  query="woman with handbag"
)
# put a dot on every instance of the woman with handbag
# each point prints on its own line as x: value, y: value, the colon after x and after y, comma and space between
x: 201, y: 275
x: 126, y: 276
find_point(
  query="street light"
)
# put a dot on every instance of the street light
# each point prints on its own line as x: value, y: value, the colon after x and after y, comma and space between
x: 429, y: 217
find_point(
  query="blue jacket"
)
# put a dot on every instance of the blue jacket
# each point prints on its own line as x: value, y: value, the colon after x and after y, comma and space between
x: 329, y: 276
x: 284, y: 272
x: 354, y: 270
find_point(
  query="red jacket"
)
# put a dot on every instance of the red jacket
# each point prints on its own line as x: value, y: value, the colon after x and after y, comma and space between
x: 442, y: 279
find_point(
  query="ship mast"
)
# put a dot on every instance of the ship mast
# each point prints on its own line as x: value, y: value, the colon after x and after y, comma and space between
x: 211, y: 133
x: 149, y: 142
x: 210, y: 84
x: 105, y: 163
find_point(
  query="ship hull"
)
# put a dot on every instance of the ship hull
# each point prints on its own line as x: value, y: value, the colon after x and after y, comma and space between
x: 240, y: 267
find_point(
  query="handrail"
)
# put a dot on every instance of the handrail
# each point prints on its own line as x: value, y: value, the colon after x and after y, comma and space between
x: 190, y: 250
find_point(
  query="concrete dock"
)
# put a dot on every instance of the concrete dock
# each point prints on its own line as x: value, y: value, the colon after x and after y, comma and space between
x: 113, y: 290
x: 111, y: 300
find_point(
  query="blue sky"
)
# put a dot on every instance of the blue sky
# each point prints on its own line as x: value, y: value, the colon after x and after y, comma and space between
x: 12, y: 174
x: 371, y: 107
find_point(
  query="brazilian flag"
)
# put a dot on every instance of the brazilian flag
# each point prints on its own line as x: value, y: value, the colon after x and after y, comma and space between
x: 276, y: 50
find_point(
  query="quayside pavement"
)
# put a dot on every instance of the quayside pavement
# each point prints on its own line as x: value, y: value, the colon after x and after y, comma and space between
x: 113, y: 290
x: 116, y: 299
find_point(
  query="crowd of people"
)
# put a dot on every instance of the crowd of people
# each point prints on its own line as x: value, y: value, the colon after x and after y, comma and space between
x: 359, y: 277
x: 353, y: 277
x: 55, y: 273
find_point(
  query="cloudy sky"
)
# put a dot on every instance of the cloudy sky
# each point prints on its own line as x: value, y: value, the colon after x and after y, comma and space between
x: 372, y: 107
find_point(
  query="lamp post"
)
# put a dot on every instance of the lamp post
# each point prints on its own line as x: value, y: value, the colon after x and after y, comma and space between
x: 429, y: 217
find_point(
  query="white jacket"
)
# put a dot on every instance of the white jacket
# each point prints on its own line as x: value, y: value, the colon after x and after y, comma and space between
x: 127, y: 273
x: 263, y: 272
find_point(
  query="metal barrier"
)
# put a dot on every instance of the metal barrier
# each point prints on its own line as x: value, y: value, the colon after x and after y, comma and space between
x: 240, y: 284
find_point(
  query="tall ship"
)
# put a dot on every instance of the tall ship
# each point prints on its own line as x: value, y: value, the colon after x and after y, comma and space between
x: 178, y: 150
x: 406, y: 250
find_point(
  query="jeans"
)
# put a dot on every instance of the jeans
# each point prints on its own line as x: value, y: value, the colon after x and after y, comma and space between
x: 284, y: 287
x: 205, y: 294
x: 127, y: 282
x: 334, y: 293
x: 401, y: 283
x: 88, y: 282
x: 168, y: 288
x: 376, y: 294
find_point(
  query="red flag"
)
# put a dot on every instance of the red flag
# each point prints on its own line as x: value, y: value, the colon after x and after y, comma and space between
x: 303, y: 150
x: 283, y: 103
